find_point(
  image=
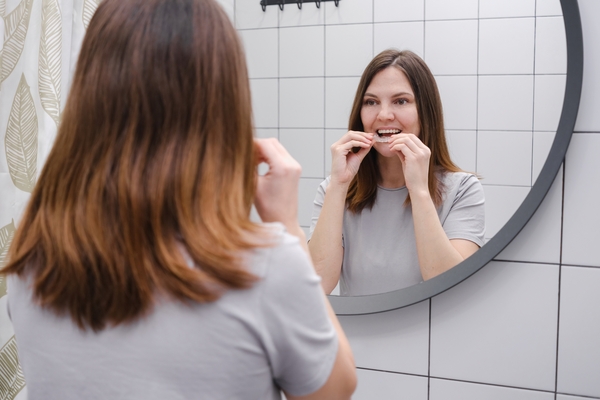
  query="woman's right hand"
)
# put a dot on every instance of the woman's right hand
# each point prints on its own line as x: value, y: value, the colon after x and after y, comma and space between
x: 344, y: 161
x: 276, y: 197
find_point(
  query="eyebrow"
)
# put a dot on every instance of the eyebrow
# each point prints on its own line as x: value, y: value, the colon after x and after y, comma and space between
x: 394, y: 95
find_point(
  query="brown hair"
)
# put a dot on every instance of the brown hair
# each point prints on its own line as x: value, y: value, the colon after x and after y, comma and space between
x: 154, y: 155
x: 363, y: 188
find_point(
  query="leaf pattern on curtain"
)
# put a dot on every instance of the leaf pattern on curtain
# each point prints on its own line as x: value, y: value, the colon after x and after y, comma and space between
x: 21, y: 139
x: 49, y: 64
x: 12, y: 380
x: 6, y: 236
x: 15, y: 30
x: 89, y: 8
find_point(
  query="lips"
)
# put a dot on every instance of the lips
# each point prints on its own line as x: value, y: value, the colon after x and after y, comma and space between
x: 384, y: 135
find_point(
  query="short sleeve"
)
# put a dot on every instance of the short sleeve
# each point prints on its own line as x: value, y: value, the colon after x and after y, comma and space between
x: 466, y: 218
x: 300, y: 340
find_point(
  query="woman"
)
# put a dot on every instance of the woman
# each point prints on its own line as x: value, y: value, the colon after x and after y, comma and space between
x: 395, y: 209
x: 136, y: 272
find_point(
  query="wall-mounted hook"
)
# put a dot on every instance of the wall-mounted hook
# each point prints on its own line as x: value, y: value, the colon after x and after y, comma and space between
x: 318, y: 3
x: 336, y: 2
x: 299, y: 4
x: 263, y: 4
x: 281, y: 3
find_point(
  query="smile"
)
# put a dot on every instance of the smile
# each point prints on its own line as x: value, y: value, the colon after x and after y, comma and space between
x: 383, y: 135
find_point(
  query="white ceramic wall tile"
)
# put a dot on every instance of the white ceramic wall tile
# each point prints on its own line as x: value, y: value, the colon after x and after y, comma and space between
x: 459, y: 100
x: 348, y: 12
x: 306, y: 146
x: 579, y: 332
x: 539, y: 241
x: 349, y: 49
x: 385, y: 385
x: 505, y: 158
x: 506, y: 46
x: 398, y: 10
x: 498, y: 326
x: 548, y: 7
x: 506, y: 8
x: 455, y: 9
x: 331, y: 136
x: 228, y: 7
x: 261, y: 52
x: 501, y: 202
x: 451, y: 47
x: 567, y: 397
x: 550, y: 46
x: 442, y: 389
x: 302, y: 102
x: 505, y: 102
x: 265, y: 102
x: 463, y: 149
x: 302, y: 51
x: 249, y: 15
x: 306, y: 196
x: 339, y: 97
x: 588, y: 118
x: 399, y: 35
x: 394, y: 341
x: 542, y: 142
x: 308, y: 15
x: 581, y: 212
x: 548, y: 101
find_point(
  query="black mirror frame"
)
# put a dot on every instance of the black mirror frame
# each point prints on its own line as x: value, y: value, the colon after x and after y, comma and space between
x: 414, y: 294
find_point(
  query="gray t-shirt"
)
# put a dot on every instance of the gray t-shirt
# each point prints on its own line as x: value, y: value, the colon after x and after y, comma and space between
x: 246, y: 345
x: 380, y: 252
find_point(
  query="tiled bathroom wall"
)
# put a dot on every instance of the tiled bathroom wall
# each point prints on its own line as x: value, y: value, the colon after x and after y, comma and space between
x: 526, y: 326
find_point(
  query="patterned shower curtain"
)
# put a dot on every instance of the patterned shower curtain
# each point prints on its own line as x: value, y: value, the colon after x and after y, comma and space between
x: 39, y: 48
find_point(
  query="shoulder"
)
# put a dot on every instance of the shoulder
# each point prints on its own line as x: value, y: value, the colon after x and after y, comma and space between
x: 282, y: 258
x: 459, y: 178
x: 462, y: 184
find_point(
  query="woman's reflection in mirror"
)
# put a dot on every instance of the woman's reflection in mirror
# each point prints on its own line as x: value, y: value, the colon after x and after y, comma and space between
x: 395, y: 210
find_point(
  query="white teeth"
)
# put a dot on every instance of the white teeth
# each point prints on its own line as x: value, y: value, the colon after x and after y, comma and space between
x: 386, y: 131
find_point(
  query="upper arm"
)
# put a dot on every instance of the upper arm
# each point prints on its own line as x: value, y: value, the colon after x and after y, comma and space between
x: 300, y: 339
x: 466, y: 248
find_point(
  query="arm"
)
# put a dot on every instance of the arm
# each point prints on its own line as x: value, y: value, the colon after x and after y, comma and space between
x: 326, y: 242
x: 280, y: 186
x: 435, y: 251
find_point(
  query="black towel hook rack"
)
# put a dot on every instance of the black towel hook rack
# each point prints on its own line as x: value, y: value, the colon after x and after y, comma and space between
x: 299, y: 3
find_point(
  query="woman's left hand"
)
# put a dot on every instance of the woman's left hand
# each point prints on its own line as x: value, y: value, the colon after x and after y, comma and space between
x: 414, y: 156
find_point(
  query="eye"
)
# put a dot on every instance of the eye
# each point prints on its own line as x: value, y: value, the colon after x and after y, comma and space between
x: 402, y: 101
x: 369, y: 102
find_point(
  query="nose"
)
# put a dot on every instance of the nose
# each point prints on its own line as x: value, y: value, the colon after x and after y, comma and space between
x: 385, y: 113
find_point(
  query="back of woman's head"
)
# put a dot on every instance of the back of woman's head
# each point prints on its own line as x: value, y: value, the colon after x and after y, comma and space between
x: 154, y: 154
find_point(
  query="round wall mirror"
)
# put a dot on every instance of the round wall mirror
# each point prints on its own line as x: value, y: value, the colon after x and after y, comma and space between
x: 501, y: 235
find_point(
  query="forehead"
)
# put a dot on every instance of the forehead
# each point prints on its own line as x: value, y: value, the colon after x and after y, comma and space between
x: 389, y: 81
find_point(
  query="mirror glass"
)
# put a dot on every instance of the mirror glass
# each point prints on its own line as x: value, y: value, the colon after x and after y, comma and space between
x: 501, y: 71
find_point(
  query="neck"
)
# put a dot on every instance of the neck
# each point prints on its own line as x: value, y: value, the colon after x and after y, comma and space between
x: 392, y: 174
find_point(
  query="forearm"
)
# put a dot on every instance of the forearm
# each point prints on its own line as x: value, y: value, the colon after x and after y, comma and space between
x: 435, y: 252
x: 326, y: 242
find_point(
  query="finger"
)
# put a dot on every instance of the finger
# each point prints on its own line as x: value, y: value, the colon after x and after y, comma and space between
x: 358, y: 136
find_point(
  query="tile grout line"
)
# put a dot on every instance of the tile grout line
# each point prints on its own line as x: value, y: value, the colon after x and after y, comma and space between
x: 560, y: 260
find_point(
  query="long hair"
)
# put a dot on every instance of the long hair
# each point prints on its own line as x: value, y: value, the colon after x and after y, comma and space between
x: 363, y: 187
x: 153, y: 162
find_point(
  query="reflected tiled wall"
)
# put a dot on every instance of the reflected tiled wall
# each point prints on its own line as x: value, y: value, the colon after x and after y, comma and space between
x: 527, y: 326
x: 501, y: 76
